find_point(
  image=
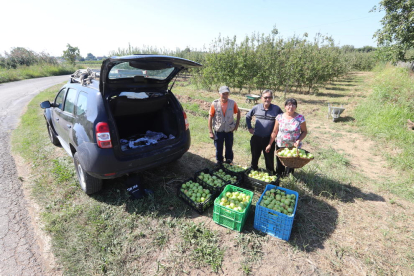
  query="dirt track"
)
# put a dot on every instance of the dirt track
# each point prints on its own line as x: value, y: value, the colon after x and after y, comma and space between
x: 20, y: 253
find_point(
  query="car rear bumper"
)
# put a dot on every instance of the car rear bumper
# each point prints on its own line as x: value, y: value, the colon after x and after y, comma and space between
x: 103, y: 164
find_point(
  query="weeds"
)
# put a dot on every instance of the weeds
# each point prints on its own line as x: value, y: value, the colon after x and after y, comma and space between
x: 204, y: 244
x: 111, y: 234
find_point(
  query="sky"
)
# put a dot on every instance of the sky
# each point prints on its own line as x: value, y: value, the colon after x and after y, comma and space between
x: 99, y: 27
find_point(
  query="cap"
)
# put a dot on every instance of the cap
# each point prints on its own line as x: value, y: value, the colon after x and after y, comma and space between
x: 224, y: 89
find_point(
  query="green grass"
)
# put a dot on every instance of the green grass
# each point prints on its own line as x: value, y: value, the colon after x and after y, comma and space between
x: 110, y: 234
x: 37, y: 71
x: 383, y: 117
x: 34, y: 71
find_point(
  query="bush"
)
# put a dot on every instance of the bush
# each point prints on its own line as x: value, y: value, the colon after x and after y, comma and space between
x: 20, y: 56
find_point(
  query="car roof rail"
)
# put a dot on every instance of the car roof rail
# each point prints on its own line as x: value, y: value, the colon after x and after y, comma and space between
x: 84, y: 76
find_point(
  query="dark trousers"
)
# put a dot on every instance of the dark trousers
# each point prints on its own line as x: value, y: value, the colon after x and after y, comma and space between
x: 257, y: 146
x: 224, y: 139
x: 280, y: 169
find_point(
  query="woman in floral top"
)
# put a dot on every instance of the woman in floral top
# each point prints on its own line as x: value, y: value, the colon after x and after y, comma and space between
x: 289, y: 131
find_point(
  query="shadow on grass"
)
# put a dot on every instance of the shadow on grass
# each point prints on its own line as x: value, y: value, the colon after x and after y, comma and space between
x: 333, y: 189
x: 345, y: 119
x: 331, y: 95
x: 163, y: 181
x: 314, y: 222
x: 315, y: 219
x: 335, y: 88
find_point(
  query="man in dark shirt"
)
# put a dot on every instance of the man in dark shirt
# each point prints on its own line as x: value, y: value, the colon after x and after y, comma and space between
x: 265, y: 114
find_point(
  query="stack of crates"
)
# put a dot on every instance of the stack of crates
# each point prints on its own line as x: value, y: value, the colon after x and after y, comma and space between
x: 228, y: 217
x: 276, y: 224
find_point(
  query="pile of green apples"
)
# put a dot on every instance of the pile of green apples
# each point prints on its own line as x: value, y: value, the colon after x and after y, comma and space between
x: 226, y: 177
x: 263, y: 176
x: 279, y: 201
x: 293, y: 153
x: 211, y: 180
x: 237, y: 201
x: 234, y: 168
x: 195, y: 191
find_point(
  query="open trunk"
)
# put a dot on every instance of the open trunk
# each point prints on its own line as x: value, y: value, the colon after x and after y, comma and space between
x: 146, y: 120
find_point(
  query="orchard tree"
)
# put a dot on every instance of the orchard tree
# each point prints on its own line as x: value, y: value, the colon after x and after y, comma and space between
x: 397, y: 32
x: 70, y: 54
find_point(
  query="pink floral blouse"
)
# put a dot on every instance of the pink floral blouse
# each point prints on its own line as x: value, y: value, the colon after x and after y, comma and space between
x: 289, y: 130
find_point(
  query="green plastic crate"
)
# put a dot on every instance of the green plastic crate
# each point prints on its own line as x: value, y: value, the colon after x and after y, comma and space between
x: 228, y: 217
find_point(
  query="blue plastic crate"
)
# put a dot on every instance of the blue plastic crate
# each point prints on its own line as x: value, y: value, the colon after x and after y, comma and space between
x: 272, y: 222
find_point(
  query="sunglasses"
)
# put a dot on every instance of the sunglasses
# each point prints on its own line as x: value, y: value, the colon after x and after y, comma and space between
x: 267, y: 98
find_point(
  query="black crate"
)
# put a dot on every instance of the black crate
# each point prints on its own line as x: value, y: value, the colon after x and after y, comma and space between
x: 256, y: 184
x: 239, y: 180
x: 233, y: 172
x: 217, y: 190
x: 200, y: 207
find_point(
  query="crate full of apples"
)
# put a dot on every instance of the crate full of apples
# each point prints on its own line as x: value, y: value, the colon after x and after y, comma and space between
x: 195, y: 195
x: 232, y: 206
x: 275, y: 211
x: 258, y: 179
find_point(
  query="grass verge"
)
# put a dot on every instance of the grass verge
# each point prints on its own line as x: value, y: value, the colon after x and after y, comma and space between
x: 111, y: 234
x: 36, y: 71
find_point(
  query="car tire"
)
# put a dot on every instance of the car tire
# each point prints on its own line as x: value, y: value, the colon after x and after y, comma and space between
x: 52, y: 136
x: 88, y: 183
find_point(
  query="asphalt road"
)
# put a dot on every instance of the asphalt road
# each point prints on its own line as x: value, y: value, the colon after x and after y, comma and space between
x: 19, y: 250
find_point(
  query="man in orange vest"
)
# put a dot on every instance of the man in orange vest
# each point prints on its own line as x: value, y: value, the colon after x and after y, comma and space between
x: 221, y: 120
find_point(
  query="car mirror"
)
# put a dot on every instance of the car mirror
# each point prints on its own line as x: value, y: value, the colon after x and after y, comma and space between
x: 45, y: 104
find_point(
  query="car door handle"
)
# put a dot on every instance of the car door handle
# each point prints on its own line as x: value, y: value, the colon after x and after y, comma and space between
x: 57, y: 119
x: 69, y: 126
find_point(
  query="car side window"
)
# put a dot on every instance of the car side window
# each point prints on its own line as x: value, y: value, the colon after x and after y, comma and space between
x: 70, y: 101
x: 59, y: 98
x: 82, y: 103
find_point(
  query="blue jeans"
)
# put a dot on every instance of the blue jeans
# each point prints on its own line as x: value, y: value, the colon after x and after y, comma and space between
x: 224, y: 139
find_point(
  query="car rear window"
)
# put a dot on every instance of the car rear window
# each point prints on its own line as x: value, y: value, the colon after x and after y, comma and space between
x: 125, y: 71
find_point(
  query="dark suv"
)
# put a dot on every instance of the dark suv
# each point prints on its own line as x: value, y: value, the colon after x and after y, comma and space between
x: 121, y: 120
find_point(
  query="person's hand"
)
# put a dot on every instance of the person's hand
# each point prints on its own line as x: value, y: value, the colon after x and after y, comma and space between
x: 236, y: 127
x: 251, y: 130
x: 211, y: 135
x: 268, y: 148
x: 297, y: 143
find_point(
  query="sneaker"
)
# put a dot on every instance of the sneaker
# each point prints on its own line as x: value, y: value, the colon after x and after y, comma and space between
x: 230, y: 162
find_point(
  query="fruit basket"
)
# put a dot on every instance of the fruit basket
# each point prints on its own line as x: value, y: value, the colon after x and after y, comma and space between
x: 234, y: 179
x: 200, y: 207
x: 225, y: 216
x: 272, y: 222
x: 258, y: 184
x: 212, y: 182
x: 295, y: 158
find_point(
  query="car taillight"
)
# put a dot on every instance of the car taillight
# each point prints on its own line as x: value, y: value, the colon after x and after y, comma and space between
x: 187, y: 125
x: 103, y: 138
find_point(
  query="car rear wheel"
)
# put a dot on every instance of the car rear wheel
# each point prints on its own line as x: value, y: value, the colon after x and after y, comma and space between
x: 52, y: 136
x: 88, y: 183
